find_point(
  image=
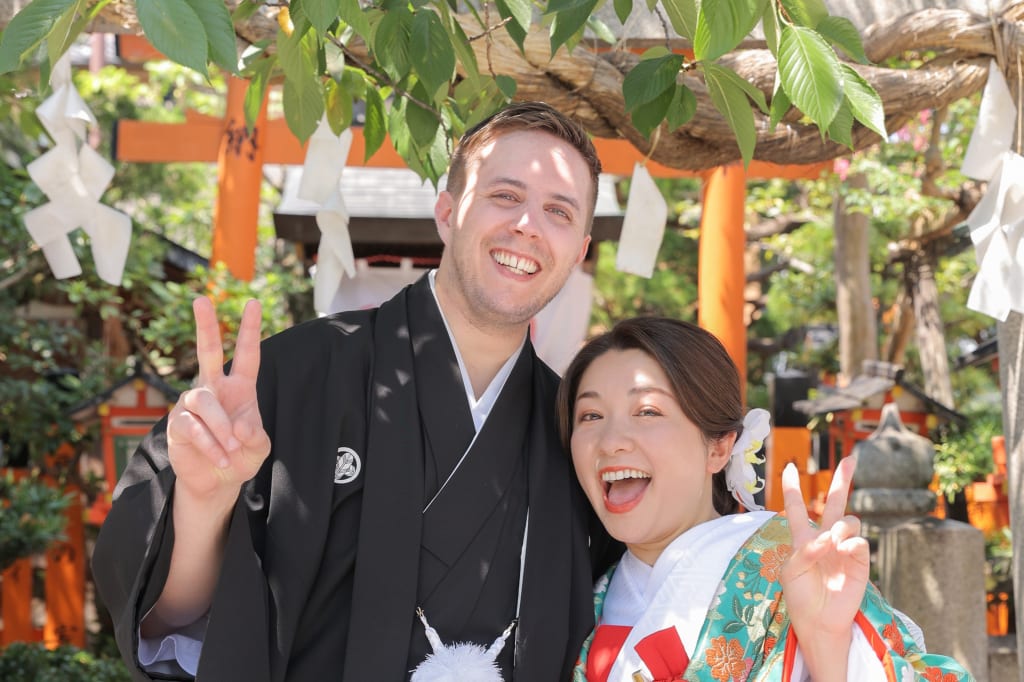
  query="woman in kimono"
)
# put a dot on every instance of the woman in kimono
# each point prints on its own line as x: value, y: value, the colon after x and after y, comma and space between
x: 653, y: 415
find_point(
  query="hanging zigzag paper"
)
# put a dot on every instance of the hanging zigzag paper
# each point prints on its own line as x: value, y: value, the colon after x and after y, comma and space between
x: 321, y: 183
x: 643, y: 226
x: 73, y: 177
x: 997, y: 222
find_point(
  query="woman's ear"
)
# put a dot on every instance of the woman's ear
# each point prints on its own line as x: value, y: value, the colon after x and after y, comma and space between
x: 719, y: 451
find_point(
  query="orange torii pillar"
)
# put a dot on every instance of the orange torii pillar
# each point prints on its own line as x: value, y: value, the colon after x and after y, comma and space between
x: 239, y: 177
x: 720, y: 273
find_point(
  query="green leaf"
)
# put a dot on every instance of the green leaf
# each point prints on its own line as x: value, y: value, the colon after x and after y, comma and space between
x: 321, y: 13
x: 805, y: 12
x: 521, y: 12
x: 338, y: 107
x: 507, y: 85
x: 650, y: 79
x: 843, y: 34
x: 435, y: 160
x: 220, y: 33
x: 683, y: 15
x: 810, y: 74
x: 864, y: 101
x: 375, y: 123
x: 174, y: 28
x: 841, y: 128
x: 514, y: 28
x: 244, y: 10
x: 741, y: 83
x: 623, y: 8
x: 391, y: 43
x: 731, y: 100
x: 649, y: 116
x: 257, y: 90
x: 722, y: 24
x: 682, y: 109
x: 433, y: 58
x: 463, y: 51
x: 297, y: 53
x: 28, y: 28
x: 422, y: 124
x: 780, y: 105
x: 303, y: 106
x: 354, y: 82
x: 601, y: 30
x: 569, y: 18
x: 770, y: 26
x: 352, y: 14
x: 65, y: 32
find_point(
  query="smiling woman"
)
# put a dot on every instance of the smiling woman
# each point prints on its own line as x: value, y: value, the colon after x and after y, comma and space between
x: 653, y: 416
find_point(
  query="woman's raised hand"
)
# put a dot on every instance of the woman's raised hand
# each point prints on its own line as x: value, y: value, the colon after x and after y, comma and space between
x: 825, y: 577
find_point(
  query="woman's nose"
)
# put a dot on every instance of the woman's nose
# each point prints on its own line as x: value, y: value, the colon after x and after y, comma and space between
x: 616, y: 439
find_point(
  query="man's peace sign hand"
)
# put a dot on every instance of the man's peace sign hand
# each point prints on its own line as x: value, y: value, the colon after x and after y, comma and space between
x: 215, y: 436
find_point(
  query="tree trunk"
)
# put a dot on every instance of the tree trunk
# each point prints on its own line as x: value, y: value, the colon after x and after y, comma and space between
x: 931, y: 339
x: 901, y: 327
x: 858, y: 330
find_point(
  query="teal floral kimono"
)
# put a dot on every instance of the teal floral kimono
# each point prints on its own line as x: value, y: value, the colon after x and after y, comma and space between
x: 746, y: 634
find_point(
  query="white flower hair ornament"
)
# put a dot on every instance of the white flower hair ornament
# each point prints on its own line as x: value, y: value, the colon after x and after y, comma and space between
x: 740, y: 475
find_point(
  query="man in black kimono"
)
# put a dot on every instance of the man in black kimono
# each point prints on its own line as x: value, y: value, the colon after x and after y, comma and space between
x: 289, y: 517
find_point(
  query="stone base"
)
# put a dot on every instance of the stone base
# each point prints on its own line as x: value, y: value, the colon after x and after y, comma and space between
x: 1003, y: 662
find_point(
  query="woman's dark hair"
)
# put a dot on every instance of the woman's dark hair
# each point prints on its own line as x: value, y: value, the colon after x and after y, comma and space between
x: 704, y: 379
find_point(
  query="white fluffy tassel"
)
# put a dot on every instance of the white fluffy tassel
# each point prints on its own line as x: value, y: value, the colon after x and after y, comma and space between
x: 465, y: 662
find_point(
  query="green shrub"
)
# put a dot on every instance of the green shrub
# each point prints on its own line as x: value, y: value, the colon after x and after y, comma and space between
x: 31, y: 518
x: 22, y: 662
x: 965, y: 454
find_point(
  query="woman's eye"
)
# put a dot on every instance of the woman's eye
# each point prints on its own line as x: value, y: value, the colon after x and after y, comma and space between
x: 588, y: 417
x: 648, y: 412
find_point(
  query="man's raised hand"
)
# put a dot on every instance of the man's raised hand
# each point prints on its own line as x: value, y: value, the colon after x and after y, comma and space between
x: 215, y: 436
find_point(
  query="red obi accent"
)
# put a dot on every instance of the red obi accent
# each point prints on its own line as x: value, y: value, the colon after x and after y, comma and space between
x: 664, y: 655
x: 607, y: 642
x: 662, y: 652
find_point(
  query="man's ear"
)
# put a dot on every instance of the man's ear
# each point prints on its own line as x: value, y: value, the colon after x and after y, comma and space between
x: 583, y: 250
x: 444, y: 209
x: 719, y: 451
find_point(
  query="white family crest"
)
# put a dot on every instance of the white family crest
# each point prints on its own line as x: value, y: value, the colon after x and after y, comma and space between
x: 347, y: 466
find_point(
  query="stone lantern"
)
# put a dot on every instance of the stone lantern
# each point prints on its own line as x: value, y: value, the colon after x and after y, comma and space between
x: 894, y: 470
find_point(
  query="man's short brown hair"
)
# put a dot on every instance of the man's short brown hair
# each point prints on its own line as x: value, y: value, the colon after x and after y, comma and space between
x: 523, y: 116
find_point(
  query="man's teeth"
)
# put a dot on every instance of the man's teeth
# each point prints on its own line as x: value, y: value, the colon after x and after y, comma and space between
x: 522, y: 266
x: 623, y: 474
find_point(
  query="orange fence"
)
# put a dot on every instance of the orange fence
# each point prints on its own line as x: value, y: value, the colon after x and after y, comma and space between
x: 63, y: 589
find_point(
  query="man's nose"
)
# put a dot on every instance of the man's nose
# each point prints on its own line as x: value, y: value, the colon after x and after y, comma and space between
x: 529, y: 221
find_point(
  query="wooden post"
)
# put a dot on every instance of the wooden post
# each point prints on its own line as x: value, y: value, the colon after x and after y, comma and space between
x: 720, y: 274
x: 65, y: 582
x: 239, y: 177
x: 16, y: 604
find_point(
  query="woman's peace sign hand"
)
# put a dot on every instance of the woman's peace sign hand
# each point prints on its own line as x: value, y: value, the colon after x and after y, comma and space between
x: 825, y: 577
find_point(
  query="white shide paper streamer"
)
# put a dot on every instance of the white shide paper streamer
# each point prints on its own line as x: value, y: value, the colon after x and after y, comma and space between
x: 74, y: 176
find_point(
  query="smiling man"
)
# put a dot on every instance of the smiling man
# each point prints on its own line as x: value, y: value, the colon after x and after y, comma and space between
x: 365, y: 479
